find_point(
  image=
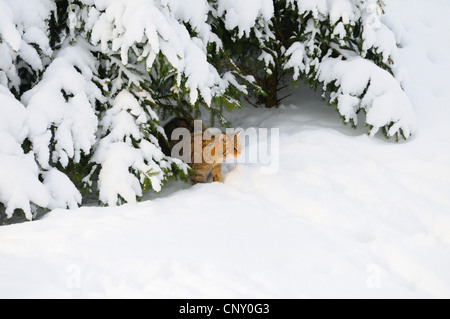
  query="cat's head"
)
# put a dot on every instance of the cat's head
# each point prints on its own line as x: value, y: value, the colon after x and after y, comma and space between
x: 225, y: 146
x: 232, y: 145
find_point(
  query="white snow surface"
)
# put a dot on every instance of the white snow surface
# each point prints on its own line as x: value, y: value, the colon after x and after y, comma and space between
x: 345, y: 216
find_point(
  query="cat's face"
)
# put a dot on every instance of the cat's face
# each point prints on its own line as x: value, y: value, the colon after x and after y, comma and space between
x: 220, y: 148
x: 231, y: 147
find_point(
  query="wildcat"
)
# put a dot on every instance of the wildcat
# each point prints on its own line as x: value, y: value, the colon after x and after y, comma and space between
x: 215, y: 149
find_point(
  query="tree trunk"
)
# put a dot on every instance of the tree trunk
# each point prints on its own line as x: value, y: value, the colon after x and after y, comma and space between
x: 271, y: 88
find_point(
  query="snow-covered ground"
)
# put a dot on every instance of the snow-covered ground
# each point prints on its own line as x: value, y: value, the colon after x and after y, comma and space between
x: 345, y: 215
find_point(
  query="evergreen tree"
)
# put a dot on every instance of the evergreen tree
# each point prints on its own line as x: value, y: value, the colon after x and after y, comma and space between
x: 340, y: 46
x: 24, y: 53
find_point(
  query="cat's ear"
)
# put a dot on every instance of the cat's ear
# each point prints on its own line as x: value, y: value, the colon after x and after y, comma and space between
x: 238, y: 133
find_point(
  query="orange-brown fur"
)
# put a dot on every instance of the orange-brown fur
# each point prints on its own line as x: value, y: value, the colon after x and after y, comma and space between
x: 231, y: 147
